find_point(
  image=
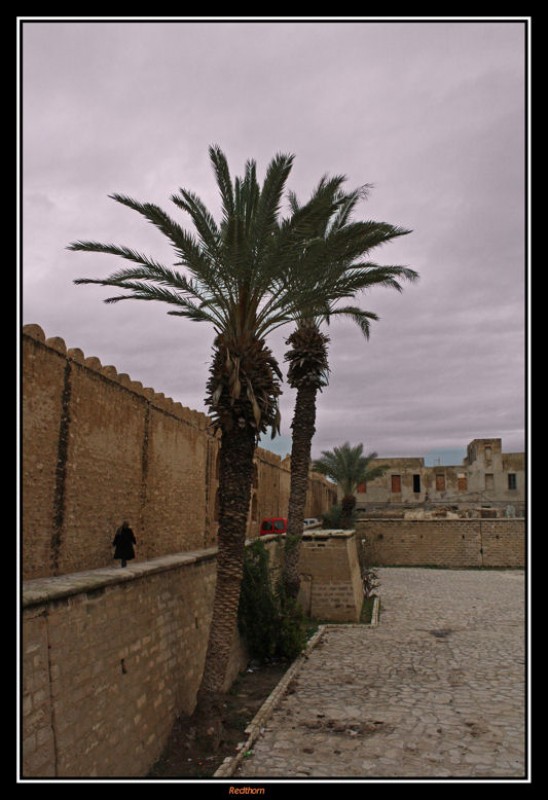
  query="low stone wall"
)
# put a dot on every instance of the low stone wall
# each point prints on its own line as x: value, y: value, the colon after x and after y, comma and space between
x: 111, y: 656
x: 332, y: 589
x: 445, y: 542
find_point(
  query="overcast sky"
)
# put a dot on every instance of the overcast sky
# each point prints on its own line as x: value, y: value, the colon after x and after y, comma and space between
x: 432, y: 114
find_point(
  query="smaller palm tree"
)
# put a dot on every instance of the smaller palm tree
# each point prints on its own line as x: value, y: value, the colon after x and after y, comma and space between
x: 334, y: 266
x: 347, y: 466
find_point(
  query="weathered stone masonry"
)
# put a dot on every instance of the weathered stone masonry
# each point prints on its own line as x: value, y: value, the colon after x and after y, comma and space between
x: 444, y: 542
x: 99, y: 448
x: 111, y: 656
x: 487, y: 476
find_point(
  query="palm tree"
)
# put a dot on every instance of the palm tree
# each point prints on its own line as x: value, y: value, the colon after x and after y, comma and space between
x: 348, y: 467
x: 231, y: 280
x: 341, y: 247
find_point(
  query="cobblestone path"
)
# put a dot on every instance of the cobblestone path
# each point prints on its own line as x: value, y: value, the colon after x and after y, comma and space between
x: 437, y: 690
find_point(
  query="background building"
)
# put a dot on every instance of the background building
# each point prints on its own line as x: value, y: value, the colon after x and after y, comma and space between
x: 486, y: 477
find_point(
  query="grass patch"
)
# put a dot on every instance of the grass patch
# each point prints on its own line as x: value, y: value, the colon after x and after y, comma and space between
x: 367, y: 610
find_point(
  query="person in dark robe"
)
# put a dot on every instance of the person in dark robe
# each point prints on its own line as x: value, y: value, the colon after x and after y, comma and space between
x: 123, y: 543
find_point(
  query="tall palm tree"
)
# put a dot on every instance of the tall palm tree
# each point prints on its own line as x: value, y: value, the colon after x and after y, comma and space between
x: 230, y: 277
x: 341, y: 247
x: 348, y: 467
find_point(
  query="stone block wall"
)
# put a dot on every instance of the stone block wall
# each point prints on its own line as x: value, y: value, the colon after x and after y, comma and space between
x: 444, y: 542
x: 503, y: 542
x: 99, y: 448
x: 332, y: 589
x: 110, y: 657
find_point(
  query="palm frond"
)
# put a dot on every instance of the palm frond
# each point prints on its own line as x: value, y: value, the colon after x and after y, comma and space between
x: 347, y: 466
x: 268, y: 202
x: 114, y: 250
x: 224, y: 181
x: 202, y: 219
x: 359, y: 316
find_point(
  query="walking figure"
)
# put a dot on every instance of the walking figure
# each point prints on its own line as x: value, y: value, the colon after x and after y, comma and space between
x: 123, y: 543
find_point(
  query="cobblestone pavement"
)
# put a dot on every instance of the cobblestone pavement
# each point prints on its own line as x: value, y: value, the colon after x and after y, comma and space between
x: 437, y: 690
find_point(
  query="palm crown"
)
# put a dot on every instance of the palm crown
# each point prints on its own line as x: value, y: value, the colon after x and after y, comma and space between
x: 334, y: 266
x: 347, y: 466
x: 230, y: 275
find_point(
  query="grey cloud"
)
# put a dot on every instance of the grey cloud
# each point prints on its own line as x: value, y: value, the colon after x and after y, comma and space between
x: 432, y: 114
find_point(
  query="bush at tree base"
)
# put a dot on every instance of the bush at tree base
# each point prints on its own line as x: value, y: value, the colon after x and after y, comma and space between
x: 334, y: 518
x: 273, y: 625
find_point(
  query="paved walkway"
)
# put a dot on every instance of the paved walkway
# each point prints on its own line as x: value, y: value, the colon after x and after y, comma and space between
x: 437, y: 690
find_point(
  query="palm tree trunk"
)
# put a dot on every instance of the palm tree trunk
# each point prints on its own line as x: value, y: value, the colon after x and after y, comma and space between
x: 303, y: 426
x: 235, y: 477
x: 348, y: 503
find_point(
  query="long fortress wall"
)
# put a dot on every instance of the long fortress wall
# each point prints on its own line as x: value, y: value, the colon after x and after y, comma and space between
x: 99, y: 448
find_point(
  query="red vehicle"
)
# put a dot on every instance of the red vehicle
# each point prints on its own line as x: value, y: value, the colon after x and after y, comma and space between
x: 273, y: 525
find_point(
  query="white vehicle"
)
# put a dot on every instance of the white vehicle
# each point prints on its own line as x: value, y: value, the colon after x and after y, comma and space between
x: 311, y: 522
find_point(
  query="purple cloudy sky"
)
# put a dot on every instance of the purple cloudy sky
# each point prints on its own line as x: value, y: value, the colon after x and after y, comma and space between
x: 431, y: 113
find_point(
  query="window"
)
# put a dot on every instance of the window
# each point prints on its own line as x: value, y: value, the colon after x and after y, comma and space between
x: 488, y: 454
x: 489, y: 480
x: 396, y: 484
x: 416, y: 483
x: 462, y: 482
x: 512, y: 481
x: 440, y: 483
x: 362, y: 487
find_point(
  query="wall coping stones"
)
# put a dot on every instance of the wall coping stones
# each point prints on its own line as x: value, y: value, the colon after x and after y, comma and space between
x: 46, y: 590
x: 334, y: 533
x: 109, y: 372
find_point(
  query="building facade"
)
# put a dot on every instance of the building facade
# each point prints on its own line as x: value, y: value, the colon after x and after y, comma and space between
x: 487, y: 476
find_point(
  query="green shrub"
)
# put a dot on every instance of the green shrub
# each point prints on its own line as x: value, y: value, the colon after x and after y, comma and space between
x: 293, y: 627
x: 273, y: 625
x: 258, y: 612
x: 334, y: 518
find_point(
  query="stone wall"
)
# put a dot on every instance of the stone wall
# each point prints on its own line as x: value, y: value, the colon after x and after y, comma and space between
x: 99, y: 448
x: 444, y: 542
x: 332, y: 589
x: 111, y: 656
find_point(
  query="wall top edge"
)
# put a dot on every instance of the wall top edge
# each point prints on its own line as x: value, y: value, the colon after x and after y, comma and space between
x: 46, y: 590
x: 110, y: 372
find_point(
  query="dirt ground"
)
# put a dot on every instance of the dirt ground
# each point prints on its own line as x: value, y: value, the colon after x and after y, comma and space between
x: 182, y: 758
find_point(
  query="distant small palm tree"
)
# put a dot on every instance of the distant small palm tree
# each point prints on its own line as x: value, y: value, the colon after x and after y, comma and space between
x: 347, y: 466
